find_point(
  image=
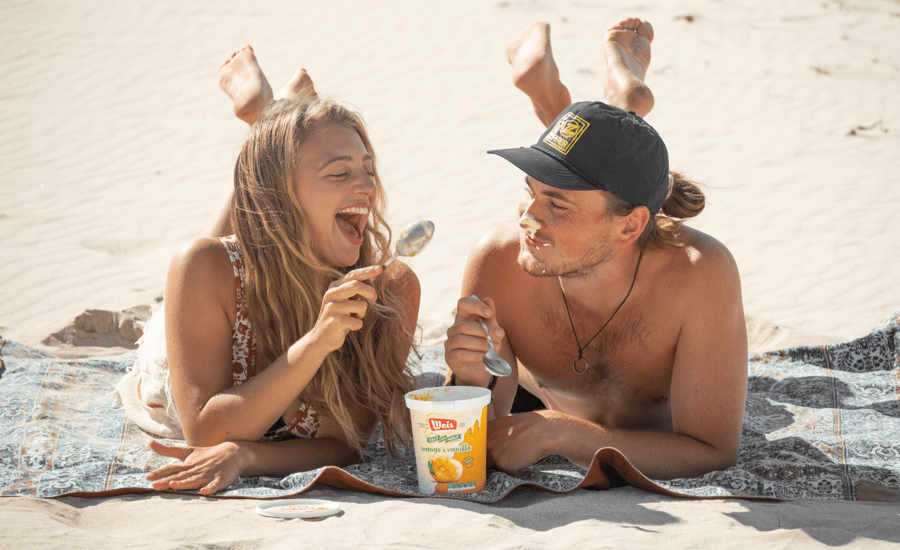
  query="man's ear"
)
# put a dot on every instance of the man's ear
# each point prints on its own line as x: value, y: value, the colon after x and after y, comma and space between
x: 633, y: 226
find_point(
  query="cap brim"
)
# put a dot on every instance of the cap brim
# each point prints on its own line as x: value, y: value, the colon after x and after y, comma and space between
x: 544, y: 168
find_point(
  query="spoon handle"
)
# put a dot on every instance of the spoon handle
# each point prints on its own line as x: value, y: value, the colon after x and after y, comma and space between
x: 391, y: 259
x: 484, y: 328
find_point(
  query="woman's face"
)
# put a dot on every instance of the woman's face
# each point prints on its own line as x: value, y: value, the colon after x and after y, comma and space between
x: 335, y: 183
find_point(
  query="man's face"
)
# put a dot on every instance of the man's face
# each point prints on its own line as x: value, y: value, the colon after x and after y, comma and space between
x: 576, y: 234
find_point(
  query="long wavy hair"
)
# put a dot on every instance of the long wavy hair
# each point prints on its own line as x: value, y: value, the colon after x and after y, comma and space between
x: 286, y: 280
x: 686, y: 200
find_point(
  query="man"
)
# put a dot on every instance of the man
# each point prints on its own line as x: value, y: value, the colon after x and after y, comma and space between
x: 628, y: 327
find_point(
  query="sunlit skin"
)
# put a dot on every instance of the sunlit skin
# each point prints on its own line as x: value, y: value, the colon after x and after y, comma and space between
x: 562, y: 215
x: 668, y: 375
x: 223, y: 422
x: 336, y: 173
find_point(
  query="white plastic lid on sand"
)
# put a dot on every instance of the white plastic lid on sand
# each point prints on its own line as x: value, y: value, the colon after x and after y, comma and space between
x: 448, y: 399
x: 298, y: 508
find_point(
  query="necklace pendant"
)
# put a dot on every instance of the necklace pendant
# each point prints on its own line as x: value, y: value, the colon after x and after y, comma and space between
x: 575, y: 365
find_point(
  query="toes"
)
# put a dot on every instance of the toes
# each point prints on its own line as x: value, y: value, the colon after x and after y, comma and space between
x: 645, y: 29
x: 634, y: 24
x: 234, y: 54
x: 623, y: 25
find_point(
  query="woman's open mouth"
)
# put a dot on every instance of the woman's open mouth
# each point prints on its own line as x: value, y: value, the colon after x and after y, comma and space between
x: 352, y: 222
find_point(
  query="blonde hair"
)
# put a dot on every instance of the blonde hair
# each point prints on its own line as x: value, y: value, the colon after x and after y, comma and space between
x: 286, y: 280
x: 686, y: 200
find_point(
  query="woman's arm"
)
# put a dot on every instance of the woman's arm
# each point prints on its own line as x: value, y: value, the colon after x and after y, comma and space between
x: 214, y: 468
x: 200, y: 312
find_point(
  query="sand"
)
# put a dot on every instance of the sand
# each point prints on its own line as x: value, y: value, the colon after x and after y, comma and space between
x: 116, y: 142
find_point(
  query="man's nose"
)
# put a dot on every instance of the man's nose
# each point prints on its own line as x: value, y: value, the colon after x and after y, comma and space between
x: 525, y: 205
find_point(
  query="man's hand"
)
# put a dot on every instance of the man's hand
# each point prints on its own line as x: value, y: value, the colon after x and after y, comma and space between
x: 466, y: 343
x: 518, y: 441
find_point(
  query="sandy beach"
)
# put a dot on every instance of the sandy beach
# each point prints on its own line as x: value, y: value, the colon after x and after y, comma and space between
x: 116, y: 142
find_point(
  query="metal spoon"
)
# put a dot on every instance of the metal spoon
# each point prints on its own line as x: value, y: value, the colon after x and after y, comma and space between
x: 412, y: 239
x: 494, y: 364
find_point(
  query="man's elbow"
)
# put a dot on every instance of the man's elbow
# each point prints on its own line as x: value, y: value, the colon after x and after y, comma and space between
x: 727, y: 461
x: 722, y: 459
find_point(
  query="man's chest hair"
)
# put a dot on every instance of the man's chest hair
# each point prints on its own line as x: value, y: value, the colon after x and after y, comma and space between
x: 610, y: 355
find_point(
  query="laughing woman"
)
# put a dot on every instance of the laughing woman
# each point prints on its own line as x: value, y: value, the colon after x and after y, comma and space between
x: 285, y: 343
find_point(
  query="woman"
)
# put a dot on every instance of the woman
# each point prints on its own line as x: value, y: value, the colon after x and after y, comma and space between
x: 285, y: 344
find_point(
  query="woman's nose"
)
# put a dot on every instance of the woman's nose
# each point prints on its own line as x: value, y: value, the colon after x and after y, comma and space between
x: 365, y: 184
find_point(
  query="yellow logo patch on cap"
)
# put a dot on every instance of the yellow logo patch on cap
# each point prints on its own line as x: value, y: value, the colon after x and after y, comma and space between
x: 566, y: 133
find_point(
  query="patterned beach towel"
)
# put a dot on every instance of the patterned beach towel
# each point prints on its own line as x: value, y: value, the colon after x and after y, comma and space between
x: 820, y: 423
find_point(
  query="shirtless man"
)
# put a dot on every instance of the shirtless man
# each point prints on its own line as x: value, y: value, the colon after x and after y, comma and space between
x: 626, y: 325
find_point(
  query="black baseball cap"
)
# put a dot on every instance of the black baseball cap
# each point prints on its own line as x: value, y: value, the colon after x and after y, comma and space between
x: 592, y: 145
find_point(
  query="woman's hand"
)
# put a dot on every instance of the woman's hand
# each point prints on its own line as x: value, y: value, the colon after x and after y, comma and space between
x: 210, y: 469
x: 342, y: 309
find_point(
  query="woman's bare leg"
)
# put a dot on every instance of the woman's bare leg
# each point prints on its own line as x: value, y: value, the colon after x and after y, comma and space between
x: 299, y: 86
x: 242, y: 79
x: 627, y: 51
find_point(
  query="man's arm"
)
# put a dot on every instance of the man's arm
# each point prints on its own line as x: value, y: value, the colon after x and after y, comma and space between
x: 486, y: 276
x: 708, y: 392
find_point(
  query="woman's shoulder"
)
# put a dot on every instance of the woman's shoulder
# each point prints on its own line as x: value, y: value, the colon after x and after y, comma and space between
x: 203, y: 266
x: 205, y: 254
x: 402, y: 278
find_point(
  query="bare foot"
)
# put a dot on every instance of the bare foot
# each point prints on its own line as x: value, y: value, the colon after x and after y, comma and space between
x: 300, y: 86
x: 627, y: 50
x: 535, y: 72
x: 244, y: 82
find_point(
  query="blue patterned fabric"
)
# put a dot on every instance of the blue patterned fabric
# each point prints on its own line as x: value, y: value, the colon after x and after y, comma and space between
x: 820, y: 423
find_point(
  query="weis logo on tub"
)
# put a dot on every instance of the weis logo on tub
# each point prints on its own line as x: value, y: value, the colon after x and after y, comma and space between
x: 438, y: 424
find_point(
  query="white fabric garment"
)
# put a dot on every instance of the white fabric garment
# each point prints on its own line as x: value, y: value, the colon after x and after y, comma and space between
x: 146, y: 391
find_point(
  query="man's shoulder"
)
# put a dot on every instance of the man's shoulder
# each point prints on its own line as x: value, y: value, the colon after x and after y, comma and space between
x: 701, y: 273
x: 701, y: 253
x: 493, y: 259
x: 500, y: 243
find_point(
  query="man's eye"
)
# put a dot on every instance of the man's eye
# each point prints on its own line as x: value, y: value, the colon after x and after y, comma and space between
x: 556, y: 206
x: 529, y: 191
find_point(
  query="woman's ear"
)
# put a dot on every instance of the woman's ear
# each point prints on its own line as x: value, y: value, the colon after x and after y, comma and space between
x: 633, y: 226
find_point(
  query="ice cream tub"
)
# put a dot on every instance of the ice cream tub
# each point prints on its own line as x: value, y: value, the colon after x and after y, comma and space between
x: 449, y: 427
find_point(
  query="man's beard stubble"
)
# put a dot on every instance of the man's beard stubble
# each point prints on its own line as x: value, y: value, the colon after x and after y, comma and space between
x: 573, y: 268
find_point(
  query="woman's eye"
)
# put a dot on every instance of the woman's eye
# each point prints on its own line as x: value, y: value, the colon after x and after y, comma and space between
x: 341, y: 175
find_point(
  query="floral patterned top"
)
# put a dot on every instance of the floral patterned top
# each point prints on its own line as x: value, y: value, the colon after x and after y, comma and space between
x: 305, y: 422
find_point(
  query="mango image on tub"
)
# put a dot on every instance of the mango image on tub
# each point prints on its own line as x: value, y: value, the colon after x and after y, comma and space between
x: 445, y: 470
x: 450, y: 438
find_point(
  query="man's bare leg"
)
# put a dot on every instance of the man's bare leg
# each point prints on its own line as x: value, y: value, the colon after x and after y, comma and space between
x: 627, y: 51
x: 244, y: 82
x: 626, y: 48
x: 535, y: 72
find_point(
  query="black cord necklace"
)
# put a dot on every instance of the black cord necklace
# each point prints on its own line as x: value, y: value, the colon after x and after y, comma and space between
x: 584, y: 347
